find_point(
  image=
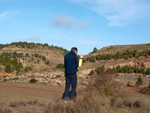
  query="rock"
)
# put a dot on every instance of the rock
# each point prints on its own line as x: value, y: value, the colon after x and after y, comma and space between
x: 131, y: 84
x: 148, y: 76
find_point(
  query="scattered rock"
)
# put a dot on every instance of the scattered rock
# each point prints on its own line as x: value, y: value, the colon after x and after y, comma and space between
x: 131, y: 84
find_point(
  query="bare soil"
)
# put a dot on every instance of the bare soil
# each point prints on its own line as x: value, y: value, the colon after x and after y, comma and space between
x: 31, y: 98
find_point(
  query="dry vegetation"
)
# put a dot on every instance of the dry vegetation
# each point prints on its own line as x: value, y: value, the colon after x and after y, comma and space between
x: 101, y: 96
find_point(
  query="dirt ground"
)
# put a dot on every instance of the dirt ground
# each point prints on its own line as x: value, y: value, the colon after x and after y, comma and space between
x: 24, y: 91
x: 25, y: 97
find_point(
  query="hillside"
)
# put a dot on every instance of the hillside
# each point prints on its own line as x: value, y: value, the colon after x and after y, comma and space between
x: 23, y: 56
x: 119, y: 55
x: 121, y: 48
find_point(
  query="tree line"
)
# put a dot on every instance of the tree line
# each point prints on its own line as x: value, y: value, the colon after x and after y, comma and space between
x: 126, y: 55
x: 119, y: 69
x: 32, y: 45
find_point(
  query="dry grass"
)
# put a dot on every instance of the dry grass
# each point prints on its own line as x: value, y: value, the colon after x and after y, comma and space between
x: 101, y: 96
x: 3, y: 110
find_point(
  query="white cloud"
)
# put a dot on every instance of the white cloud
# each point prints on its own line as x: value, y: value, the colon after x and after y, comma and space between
x: 118, y: 12
x: 33, y: 39
x: 7, y: 14
x: 82, y: 41
x: 4, y: 15
x: 69, y: 22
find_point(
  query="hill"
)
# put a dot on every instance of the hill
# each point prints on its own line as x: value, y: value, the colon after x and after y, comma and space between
x: 119, y: 55
x: 23, y: 56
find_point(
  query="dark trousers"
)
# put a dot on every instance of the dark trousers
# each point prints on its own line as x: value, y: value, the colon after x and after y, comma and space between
x: 71, y: 80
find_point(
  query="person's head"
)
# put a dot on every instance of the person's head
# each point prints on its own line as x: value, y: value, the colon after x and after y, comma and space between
x: 74, y: 49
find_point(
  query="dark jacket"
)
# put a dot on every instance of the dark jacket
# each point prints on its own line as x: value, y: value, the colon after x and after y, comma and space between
x: 71, y: 63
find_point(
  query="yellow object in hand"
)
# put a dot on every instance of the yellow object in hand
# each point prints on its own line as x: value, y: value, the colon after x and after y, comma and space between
x: 80, y: 62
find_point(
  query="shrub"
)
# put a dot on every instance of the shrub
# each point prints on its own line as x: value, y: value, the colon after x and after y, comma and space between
x: 91, y: 72
x: 100, y: 70
x: 91, y: 59
x: 36, y: 55
x: 60, y: 66
x: 84, y: 60
x: 43, y: 58
x: 47, y: 62
x: 28, y: 68
x: 139, y: 81
x: 27, y: 54
x: 147, y: 71
x: 8, y: 68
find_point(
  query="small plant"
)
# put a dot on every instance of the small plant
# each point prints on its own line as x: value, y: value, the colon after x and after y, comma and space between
x: 60, y: 66
x: 92, y: 72
x: 84, y: 60
x: 29, y: 68
x: 43, y: 58
x: 139, y: 81
x: 91, y: 59
x: 47, y: 62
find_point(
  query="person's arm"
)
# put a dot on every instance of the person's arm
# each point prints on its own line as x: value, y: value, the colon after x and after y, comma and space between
x: 77, y: 60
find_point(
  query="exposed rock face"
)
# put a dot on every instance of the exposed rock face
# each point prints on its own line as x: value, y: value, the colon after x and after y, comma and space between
x: 53, y: 77
x: 126, y: 79
x: 146, y: 64
x: 131, y: 84
x: 6, y: 74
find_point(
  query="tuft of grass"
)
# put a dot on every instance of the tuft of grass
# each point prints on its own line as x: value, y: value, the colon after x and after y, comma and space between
x: 139, y: 81
x: 17, y: 104
x: 3, y: 110
x: 60, y: 66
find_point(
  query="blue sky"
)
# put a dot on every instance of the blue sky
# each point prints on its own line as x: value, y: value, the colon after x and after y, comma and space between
x: 82, y: 23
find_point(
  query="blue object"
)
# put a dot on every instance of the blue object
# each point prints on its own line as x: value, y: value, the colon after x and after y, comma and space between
x: 70, y: 80
x: 71, y: 67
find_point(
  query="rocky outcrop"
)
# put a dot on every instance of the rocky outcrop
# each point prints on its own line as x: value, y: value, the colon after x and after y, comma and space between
x: 53, y: 77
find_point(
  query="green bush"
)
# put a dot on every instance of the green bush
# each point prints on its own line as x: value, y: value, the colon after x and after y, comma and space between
x: 28, y: 68
x: 139, y: 81
x: 84, y: 60
x: 91, y: 72
x: 147, y: 71
x: 91, y: 59
x: 47, y: 62
x: 8, y: 68
x: 60, y: 66
x: 27, y: 54
x: 36, y: 55
x: 43, y: 58
x: 100, y: 70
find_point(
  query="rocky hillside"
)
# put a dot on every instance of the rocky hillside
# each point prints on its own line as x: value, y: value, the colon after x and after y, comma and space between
x: 119, y: 55
x: 121, y: 48
x: 23, y: 56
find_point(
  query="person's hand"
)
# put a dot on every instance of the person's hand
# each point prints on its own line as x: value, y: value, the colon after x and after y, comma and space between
x: 81, y: 56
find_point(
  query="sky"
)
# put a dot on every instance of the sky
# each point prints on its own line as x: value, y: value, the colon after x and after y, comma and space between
x: 84, y: 24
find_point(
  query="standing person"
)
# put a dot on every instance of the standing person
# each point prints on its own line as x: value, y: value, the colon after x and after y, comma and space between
x: 71, y: 63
